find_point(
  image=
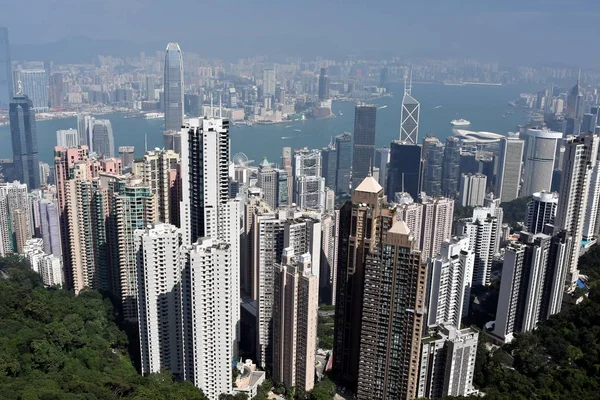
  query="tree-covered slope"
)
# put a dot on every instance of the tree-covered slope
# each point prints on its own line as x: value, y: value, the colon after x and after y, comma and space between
x: 54, y: 345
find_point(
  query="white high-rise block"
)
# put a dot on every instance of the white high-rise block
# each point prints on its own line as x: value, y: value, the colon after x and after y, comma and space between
x: 159, y: 307
x: 207, y: 309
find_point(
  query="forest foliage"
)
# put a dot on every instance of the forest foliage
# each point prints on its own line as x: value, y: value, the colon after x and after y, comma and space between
x: 54, y: 345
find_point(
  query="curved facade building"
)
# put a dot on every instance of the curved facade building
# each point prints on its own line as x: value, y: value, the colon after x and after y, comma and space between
x: 541, y: 210
x: 173, y: 87
x: 540, y: 151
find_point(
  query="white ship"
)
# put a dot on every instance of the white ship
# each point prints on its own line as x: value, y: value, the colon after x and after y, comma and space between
x: 460, y: 122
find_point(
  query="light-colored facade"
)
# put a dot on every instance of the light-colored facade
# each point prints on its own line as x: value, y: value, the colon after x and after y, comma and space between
x: 580, y: 158
x: 450, y: 276
x: 207, y: 308
x: 48, y: 266
x: 509, y: 168
x: 540, y: 153
x: 438, y: 217
x: 295, y: 321
x: 532, y: 281
x: 269, y: 82
x: 159, y: 298
x: 269, y: 183
x: 173, y: 88
x: 34, y: 83
x: 204, y: 176
x: 329, y: 255
x: 541, y: 210
x: 472, y: 190
x: 309, y: 185
x: 483, y: 232
x: 448, y: 362
x: 67, y: 138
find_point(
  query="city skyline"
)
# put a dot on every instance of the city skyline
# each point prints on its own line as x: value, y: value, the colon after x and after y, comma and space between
x: 368, y: 263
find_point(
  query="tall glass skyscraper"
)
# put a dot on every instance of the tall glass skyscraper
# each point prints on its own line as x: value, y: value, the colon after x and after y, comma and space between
x: 35, y: 85
x: 173, y: 84
x: 24, y: 141
x: 102, y: 139
x: 6, y: 83
x: 364, y: 142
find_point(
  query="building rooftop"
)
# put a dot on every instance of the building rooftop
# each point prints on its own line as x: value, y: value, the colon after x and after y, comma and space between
x: 400, y: 227
x: 370, y: 185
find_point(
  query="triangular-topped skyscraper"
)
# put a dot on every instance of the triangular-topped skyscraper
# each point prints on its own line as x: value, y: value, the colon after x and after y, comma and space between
x: 409, y: 119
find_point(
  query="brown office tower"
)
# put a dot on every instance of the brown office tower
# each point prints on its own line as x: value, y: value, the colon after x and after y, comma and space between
x: 363, y: 223
x: 392, y: 318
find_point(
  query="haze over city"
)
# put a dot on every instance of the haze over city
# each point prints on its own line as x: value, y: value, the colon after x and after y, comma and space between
x: 512, y: 32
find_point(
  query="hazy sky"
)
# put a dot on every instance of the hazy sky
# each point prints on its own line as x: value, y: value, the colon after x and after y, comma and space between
x: 506, y: 30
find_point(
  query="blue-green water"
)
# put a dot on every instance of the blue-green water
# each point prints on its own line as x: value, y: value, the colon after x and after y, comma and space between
x: 482, y: 105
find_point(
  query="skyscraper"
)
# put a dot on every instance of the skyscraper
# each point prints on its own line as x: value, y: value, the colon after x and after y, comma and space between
x: 329, y: 161
x: 343, y: 146
x: 159, y: 298
x: 472, y: 190
x: 451, y: 167
x: 173, y: 88
x: 127, y: 155
x: 451, y: 273
x: 409, y: 120
x: 16, y: 221
x: 269, y: 82
x: 134, y: 207
x: 56, y: 90
x: 541, y: 210
x: 268, y: 182
x: 362, y: 222
x: 580, y: 159
x: 396, y: 321
x: 49, y: 227
x: 323, y: 85
x: 204, y: 176
x: 209, y: 314
x: 309, y: 185
x: 35, y: 85
x: 295, y: 321
x: 404, y: 171
x: 24, y: 141
x: 433, y: 154
x: 6, y: 74
x: 447, y: 364
x: 364, y: 142
x: 382, y: 159
x: 531, y: 279
x: 85, y: 128
x: 575, y: 109
x: 540, y: 153
x: 509, y: 168
x: 103, y: 141
x: 67, y: 138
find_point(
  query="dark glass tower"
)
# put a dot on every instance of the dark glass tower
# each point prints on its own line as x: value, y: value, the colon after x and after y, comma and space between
x: 404, y: 172
x: 343, y: 146
x: 329, y: 165
x: 173, y: 84
x: 451, y: 168
x: 6, y: 82
x: 432, y: 174
x: 323, y: 85
x: 364, y: 142
x: 24, y: 141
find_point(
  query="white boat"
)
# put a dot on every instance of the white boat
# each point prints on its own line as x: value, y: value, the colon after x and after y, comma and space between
x: 460, y: 122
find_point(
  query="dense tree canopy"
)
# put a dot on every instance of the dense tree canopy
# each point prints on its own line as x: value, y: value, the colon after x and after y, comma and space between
x: 515, y: 211
x: 54, y: 345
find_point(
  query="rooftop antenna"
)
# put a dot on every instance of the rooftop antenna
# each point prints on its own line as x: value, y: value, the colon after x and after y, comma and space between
x: 220, y: 108
x: 145, y: 142
x: 403, y: 182
x: 211, y: 105
x: 410, y: 82
x: 579, y: 76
